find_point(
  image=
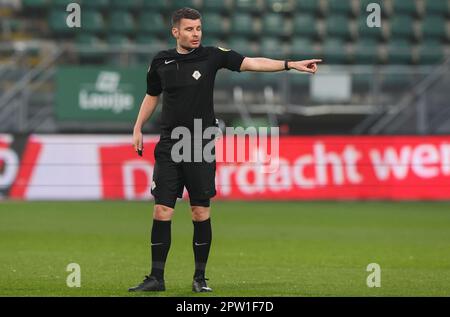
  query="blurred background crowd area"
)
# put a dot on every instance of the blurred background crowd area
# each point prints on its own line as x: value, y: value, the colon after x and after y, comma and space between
x: 391, y: 79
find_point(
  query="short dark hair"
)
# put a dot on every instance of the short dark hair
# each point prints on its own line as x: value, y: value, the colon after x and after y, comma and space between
x: 185, y: 13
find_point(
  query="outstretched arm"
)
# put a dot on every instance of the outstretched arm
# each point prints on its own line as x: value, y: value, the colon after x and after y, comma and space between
x: 262, y: 64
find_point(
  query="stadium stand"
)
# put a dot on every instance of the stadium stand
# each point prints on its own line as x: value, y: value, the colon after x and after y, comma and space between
x: 323, y: 22
x: 414, y: 33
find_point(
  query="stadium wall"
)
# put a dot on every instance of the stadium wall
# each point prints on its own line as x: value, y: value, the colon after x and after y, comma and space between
x: 99, y: 167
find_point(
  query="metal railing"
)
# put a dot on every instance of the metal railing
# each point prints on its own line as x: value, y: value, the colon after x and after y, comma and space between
x: 393, y: 119
x: 15, y: 101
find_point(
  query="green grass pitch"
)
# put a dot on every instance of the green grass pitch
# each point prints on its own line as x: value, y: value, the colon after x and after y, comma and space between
x: 259, y: 248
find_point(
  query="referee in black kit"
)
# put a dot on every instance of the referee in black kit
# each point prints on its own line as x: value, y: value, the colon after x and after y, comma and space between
x: 185, y: 75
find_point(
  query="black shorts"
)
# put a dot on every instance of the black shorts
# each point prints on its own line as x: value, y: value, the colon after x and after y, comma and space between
x: 170, y: 178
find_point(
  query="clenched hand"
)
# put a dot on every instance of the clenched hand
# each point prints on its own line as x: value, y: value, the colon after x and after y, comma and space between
x: 307, y: 66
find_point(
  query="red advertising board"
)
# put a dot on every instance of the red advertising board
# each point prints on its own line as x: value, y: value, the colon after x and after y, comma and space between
x: 319, y: 167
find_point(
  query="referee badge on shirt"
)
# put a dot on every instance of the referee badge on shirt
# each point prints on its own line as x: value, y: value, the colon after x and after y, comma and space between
x: 196, y: 74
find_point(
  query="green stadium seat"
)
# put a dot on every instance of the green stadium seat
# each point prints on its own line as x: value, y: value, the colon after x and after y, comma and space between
x: 178, y: 4
x: 249, y: 6
x: 152, y: 46
x: 153, y: 43
x: 274, y: 24
x: 35, y: 4
x: 97, y: 4
x: 211, y: 41
x: 334, y: 51
x: 92, y: 22
x: 364, y: 3
x: 340, y: 7
x: 88, y: 39
x: 365, y: 52
x: 402, y: 27
x: 242, y: 24
x: 126, y: 5
x: 64, y: 3
x: 302, y: 48
x: 399, y: 52
x: 405, y: 7
x: 218, y: 6
x: 161, y: 6
x: 308, y: 6
x: 273, y: 79
x: 362, y: 82
x: 338, y: 26
x: 278, y: 6
x: 396, y: 82
x: 271, y: 47
x: 57, y: 22
x: 13, y: 25
x: 437, y: 7
x: 431, y: 52
x: 298, y: 81
x: 121, y: 22
x: 212, y: 24
x: 246, y: 79
x: 365, y: 32
x: 88, y: 48
x: 152, y: 23
x: 305, y: 25
x: 118, y: 39
x: 434, y: 26
x: 241, y: 45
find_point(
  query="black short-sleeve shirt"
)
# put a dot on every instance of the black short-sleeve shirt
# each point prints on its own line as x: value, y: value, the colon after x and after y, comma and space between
x: 187, y: 83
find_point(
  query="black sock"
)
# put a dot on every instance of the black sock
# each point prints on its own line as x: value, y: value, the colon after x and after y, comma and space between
x: 201, y: 244
x: 160, y: 246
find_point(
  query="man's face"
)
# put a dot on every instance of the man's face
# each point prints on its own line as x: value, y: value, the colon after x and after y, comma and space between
x: 188, y: 33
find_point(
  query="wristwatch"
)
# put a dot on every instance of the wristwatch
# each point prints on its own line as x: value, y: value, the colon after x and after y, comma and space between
x: 286, y: 67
